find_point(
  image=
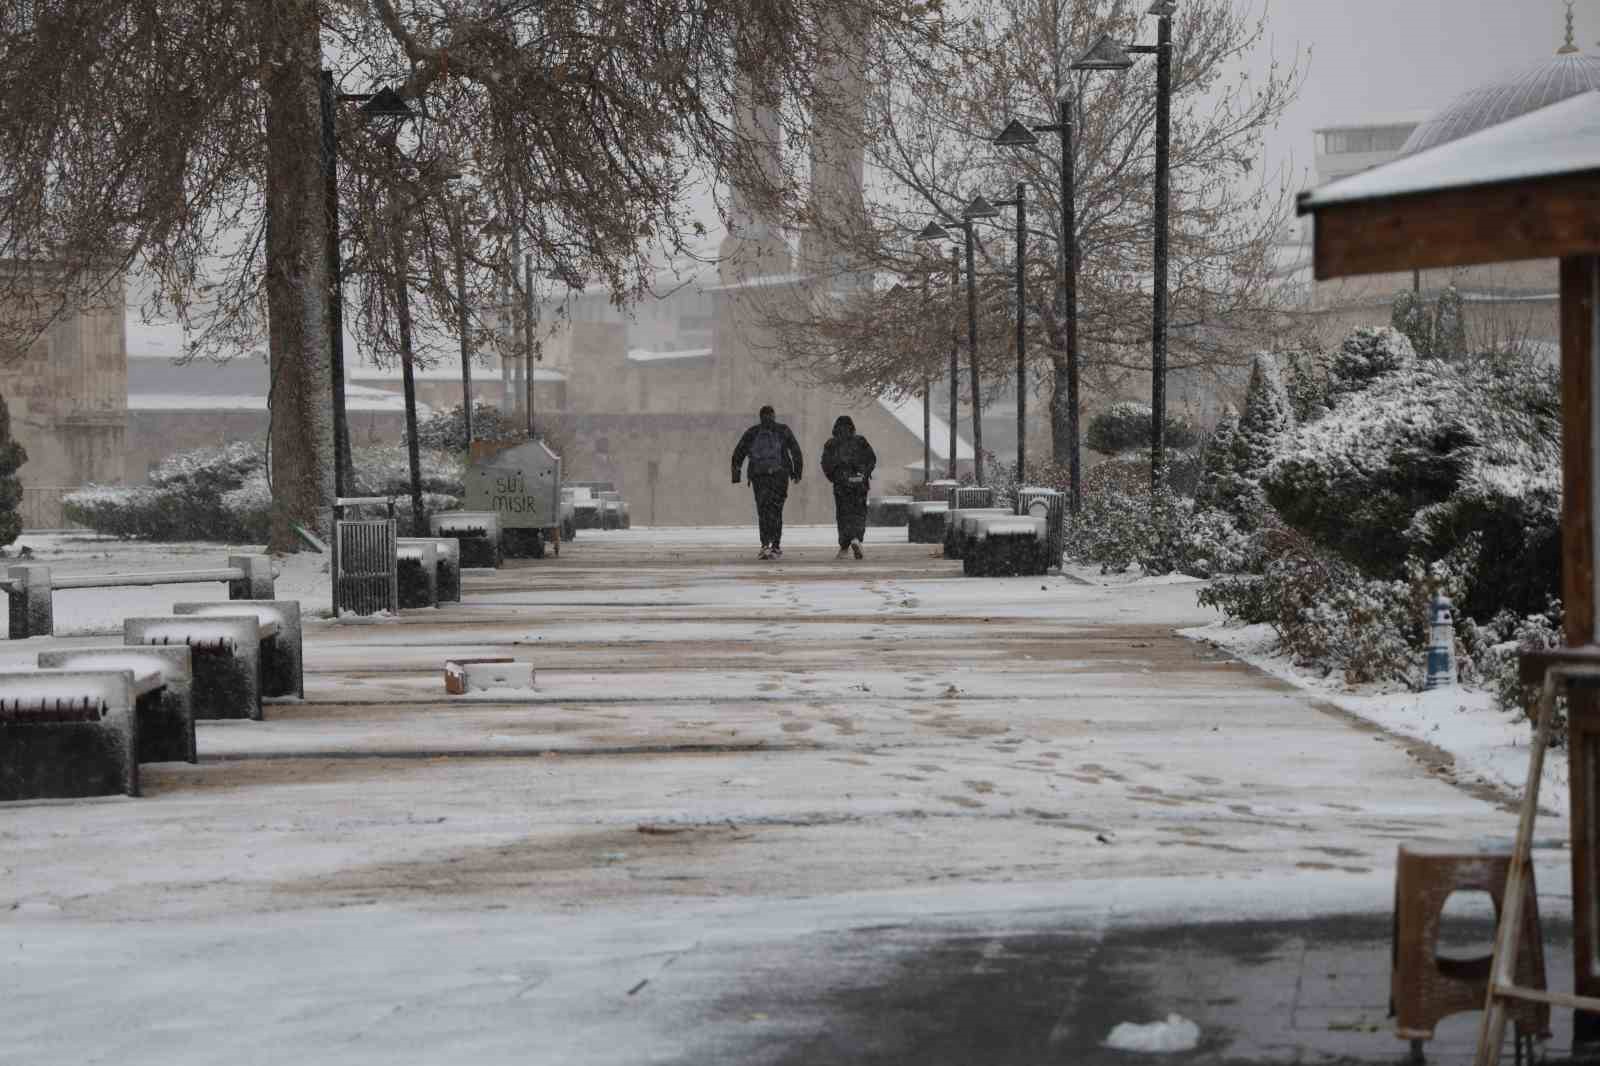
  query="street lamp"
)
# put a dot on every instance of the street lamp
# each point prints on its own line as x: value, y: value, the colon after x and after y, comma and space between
x: 1020, y: 202
x: 1016, y: 135
x: 978, y: 208
x: 1106, y: 54
x: 385, y: 104
x: 458, y: 219
x: 935, y: 232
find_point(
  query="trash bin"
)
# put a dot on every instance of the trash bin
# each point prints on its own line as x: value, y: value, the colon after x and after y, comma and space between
x: 1052, y: 507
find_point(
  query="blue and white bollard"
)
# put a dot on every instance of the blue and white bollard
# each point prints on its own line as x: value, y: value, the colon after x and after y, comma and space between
x: 1441, y: 645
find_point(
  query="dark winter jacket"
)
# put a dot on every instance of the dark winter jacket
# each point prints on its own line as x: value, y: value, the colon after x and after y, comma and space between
x: 847, y: 458
x: 792, y: 459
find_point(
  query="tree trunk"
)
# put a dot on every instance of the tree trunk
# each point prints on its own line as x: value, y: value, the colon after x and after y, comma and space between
x: 300, y: 400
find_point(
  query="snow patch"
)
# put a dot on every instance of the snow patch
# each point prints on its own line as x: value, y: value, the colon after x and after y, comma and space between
x: 1177, y: 1033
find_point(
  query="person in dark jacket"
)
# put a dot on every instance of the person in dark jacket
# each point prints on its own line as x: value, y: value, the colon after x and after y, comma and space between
x: 775, y: 460
x: 848, y: 461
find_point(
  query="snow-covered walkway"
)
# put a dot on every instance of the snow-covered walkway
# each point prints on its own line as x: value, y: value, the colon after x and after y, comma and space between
x: 723, y: 760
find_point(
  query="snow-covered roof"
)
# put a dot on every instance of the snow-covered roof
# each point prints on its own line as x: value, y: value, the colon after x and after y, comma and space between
x: 1561, y: 139
x: 760, y: 281
x: 908, y: 412
x: 645, y: 355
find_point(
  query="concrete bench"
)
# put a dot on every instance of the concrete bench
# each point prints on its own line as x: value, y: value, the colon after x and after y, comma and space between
x: 447, y: 565
x: 418, y: 573
x: 586, y: 510
x: 887, y: 510
x: 283, y: 671
x: 225, y: 657
x: 925, y: 521
x: 70, y: 733
x: 954, y: 530
x: 166, y: 716
x: 938, y: 490
x: 31, y: 587
x: 477, y: 534
x: 1005, y: 545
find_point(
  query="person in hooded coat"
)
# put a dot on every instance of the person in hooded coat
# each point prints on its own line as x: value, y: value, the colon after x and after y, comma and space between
x: 848, y: 461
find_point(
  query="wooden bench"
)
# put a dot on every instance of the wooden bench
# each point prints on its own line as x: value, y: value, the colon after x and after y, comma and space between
x: 1005, y: 545
x: 955, y: 529
x: 165, y: 717
x: 282, y: 649
x: 925, y: 521
x: 70, y: 733
x: 477, y: 534
x: 225, y: 657
x: 31, y: 587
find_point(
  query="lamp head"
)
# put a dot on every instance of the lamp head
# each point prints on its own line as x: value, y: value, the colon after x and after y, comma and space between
x: 1104, y: 54
x: 386, y: 103
x: 1162, y: 8
x: 1016, y: 135
x: 980, y: 208
x: 933, y: 232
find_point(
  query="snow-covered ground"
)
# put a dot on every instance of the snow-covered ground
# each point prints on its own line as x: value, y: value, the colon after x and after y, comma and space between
x: 728, y: 770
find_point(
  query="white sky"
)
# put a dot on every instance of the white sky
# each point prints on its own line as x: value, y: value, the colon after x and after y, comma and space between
x: 1378, y: 58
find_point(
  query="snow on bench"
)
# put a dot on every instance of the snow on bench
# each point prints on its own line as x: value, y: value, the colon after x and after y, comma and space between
x: 447, y: 566
x: 999, y: 545
x: 225, y: 656
x: 69, y: 733
x: 32, y: 586
x: 166, y: 715
x: 955, y: 526
x: 282, y: 649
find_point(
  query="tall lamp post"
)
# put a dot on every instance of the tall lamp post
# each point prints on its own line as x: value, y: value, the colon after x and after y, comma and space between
x: 935, y: 232
x: 1106, y: 54
x: 1020, y: 202
x: 1017, y: 135
x: 383, y: 104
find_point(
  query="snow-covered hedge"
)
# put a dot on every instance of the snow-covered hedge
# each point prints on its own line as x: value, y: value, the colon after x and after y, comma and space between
x: 1425, y: 456
x: 221, y: 494
x: 1125, y: 426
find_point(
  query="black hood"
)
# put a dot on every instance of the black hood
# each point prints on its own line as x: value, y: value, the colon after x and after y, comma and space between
x: 843, y: 427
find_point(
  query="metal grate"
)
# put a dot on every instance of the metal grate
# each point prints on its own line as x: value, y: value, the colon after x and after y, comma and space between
x: 971, y: 496
x: 368, y: 579
x: 1052, y: 507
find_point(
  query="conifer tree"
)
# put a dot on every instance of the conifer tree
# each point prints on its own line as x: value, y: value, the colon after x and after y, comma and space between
x: 1266, y: 418
x: 1449, y: 327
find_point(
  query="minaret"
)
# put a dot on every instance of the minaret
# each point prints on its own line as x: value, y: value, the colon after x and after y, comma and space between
x: 838, y: 213
x: 753, y: 246
x: 1569, y: 47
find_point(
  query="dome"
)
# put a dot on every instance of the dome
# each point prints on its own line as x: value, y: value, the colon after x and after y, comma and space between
x: 1565, y: 74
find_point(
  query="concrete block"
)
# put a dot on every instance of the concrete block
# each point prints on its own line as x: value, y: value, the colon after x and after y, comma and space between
x: 474, y: 675
x: 257, y: 583
x: 165, y: 717
x: 68, y: 733
x: 225, y: 655
x: 282, y: 653
x: 30, y: 601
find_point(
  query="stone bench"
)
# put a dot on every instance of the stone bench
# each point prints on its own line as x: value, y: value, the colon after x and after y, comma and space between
x: 283, y: 670
x: 31, y: 587
x: 71, y: 733
x: 165, y: 717
x: 1005, y: 545
x: 225, y: 656
x: 925, y: 521
x: 955, y: 531
x: 417, y: 566
x: 477, y: 534
x: 887, y: 510
x: 447, y: 565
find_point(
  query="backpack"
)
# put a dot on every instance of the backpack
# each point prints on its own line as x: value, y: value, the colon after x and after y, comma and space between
x: 766, y: 452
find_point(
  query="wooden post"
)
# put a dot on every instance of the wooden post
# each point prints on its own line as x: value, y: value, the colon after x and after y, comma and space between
x: 1580, y: 301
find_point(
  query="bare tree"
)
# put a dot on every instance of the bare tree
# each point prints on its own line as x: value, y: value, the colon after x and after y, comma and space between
x: 180, y: 138
x: 928, y: 133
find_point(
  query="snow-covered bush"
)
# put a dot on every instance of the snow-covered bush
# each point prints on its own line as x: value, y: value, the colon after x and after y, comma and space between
x: 447, y: 430
x: 222, y: 494
x: 1118, y: 529
x: 1329, y: 616
x: 1125, y: 425
x: 12, y: 456
x: 1506, y: 637
x: 1425, y: 456
x: 1367, y: 353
